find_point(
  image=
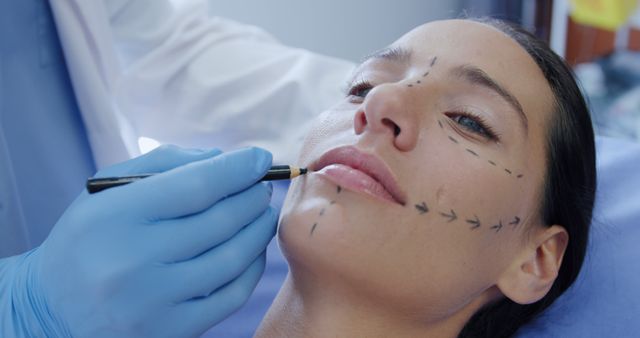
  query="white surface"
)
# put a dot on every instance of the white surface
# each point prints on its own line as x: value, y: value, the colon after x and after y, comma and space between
x: 347, y: 29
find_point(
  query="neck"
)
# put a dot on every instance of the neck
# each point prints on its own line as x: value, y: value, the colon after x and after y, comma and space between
x: 308, y: 307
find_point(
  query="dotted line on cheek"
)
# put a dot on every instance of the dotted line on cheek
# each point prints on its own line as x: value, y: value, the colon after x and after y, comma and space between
x: 475, y: 154
x: 473, y: 223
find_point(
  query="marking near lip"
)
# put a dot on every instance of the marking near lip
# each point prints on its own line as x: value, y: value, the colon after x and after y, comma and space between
x: 422, y: 208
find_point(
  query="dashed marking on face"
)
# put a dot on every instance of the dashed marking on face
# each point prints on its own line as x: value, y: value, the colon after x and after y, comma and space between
x: 313, y: 228
x: 471, y: 152
x: 508, y: 171
x: 453, y: 139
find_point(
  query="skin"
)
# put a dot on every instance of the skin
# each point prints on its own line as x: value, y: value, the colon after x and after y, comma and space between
x: 377, y: 269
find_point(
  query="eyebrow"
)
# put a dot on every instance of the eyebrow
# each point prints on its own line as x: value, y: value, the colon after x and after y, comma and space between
x: 477, y: 76
x: 394, y: 54
x: 472, y: 74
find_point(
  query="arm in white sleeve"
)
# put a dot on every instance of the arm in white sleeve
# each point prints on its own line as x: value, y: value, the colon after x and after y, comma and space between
x: 196, y: 80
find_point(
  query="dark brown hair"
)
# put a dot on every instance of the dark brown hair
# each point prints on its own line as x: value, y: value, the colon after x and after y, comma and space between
x: 569, y: 188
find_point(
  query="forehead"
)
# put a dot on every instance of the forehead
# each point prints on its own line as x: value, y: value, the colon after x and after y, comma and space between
x: 458, y: 42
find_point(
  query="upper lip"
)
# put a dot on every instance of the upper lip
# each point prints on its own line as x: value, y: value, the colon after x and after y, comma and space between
x: 365, y: 162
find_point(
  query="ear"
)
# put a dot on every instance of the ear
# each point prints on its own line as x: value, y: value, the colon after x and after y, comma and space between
x: 535, y: 269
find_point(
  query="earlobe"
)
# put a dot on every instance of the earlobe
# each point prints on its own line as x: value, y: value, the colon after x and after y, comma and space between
x: 533, y: 272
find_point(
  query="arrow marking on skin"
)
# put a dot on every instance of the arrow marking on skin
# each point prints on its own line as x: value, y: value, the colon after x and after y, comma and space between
x: 422, y: 208
x: 497, y: 227
x: 515, y: 221
x: 475, y: 222
x: 452, y: 217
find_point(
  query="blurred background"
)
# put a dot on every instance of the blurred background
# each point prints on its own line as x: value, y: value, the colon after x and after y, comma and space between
x: 599, y: 38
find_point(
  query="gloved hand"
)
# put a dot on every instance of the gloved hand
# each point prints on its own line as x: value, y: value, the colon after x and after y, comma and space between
x: 167, y: 256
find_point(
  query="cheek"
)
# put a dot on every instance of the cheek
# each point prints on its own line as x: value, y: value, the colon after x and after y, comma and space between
x: 402, y: 257
x: 326, y: 131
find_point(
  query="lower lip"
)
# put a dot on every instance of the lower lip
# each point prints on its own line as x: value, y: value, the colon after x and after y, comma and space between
x: 355, y: 180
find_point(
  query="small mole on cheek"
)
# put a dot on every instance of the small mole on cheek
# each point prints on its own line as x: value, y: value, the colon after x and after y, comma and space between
x: 409, y: 85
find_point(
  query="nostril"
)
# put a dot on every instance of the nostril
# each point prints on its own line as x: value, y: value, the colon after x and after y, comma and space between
x: 396, y: 129
x: 363, y: 119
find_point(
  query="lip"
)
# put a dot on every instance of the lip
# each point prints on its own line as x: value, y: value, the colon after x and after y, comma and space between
x: 356, y: 170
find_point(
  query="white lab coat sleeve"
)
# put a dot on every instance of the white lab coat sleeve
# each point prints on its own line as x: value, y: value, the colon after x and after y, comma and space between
x: 200, y: 81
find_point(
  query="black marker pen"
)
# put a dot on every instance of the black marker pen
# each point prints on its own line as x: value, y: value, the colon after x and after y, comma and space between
x: 276, y: 172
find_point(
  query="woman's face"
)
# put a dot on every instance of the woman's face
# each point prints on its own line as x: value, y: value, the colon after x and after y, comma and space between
x: 426, y: 174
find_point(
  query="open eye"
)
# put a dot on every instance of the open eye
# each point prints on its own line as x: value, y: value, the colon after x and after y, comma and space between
x: 474, y: 124
x: 360, y: 89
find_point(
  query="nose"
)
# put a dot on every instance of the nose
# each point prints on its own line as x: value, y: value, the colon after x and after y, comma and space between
x: 387, y: 112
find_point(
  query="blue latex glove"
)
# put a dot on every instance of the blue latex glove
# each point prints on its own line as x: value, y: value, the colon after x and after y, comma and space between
x: 167, y: 256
